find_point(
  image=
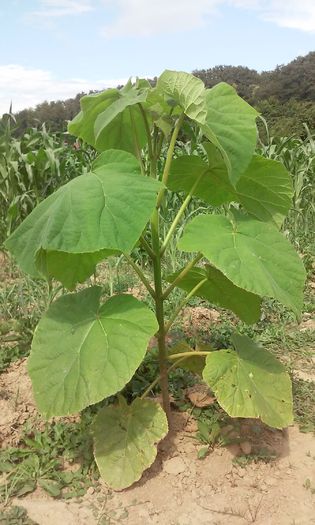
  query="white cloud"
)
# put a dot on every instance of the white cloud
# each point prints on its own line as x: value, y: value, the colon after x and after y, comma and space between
x: 143, y: 18
x: 59, y: 8
x: 285, y: 13
x: 28, y: 87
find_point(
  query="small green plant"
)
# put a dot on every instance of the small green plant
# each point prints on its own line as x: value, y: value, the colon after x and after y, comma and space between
x: 86, y: 349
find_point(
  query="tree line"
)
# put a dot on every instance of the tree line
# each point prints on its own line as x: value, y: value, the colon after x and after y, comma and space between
x: 284, y: 96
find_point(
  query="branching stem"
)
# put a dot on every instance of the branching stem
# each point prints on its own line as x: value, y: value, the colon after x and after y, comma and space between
x: 179, y: 215
x: 169, y: 158
x: 181, y: 275
x: 183, y: 303
x: 140, y: 274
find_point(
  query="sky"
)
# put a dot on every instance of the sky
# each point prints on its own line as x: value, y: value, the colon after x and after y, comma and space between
x: 54, y: 49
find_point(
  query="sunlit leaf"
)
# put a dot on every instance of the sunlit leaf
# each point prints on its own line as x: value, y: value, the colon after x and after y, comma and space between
x: 231, y: 126
x: 90, y: 214
x: 84, y: 351
x: 250, y: 382
x: 125, y: 439
x: 186, y: 91
x: 109, y: 119
x: 250, y: 253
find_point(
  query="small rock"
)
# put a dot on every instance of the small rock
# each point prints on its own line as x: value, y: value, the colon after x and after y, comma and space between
x: 246, y: 447
x: 174, y: 466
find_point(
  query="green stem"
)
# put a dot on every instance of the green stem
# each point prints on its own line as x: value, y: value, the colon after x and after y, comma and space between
x: 140, y: 274
x: 169, y: 158
x: 183, y: 302
x: 157, y: 379
x: 179, y: 215
x: 181, y: 275
x: 136, y: 142
x: 147, y: 247
x: 182, y: 355
x: 159, y: 310
x: 147, y: 128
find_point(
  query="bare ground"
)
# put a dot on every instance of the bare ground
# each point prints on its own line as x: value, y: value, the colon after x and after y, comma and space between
x: 179, y: 489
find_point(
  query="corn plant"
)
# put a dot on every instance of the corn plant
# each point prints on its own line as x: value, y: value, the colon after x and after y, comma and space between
x: 85, y: 348
x: 298, y: 156
x: 31, y: 168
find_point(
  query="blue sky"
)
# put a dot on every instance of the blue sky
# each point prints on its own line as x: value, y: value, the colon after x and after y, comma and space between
x: 52, y: 49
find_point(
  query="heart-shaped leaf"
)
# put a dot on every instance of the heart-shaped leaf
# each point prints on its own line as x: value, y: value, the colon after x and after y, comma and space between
x: 125, y: 439
x: 112, y: 157
x: 214, y: 185
x: 264, y: 189
x: 231, y: 126
x: 84, y: 351
x: 90, y: 214
x: 186, y: 91
x: 109, y: 119
x: 250, y: 382
x: 221, y: 291
x: 250, y: 253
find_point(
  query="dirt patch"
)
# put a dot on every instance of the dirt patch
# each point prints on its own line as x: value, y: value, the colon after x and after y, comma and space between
x: 179, y: 489
x: 199, y: 318
x: 16, y: 403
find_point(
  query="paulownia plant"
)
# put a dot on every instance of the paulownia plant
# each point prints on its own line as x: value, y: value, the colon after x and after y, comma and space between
x: 86, y: 349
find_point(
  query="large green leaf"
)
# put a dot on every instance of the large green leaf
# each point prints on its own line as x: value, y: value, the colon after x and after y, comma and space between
x: 104, y: 210
x: 221, y: 291
x: 265, y: 190
x: 250, y: 253
x: 111, y: 119
x: 250, y: 382
x: 84, y: 351
x: 112, y: 157
x: 231, y: 126
x: 186, y: 91
x: 125, y: 440
x: 69, y: 268
x: 214, y: 185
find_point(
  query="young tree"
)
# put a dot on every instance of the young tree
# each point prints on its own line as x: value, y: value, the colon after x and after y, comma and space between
x: 86, y: 349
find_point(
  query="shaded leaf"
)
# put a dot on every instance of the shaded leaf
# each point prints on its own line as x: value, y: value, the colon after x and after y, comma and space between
x: 251, y: 254
x: 84, y: 351
x: 221, y: 291
x: 125, y: 439
x: 250, y: 382
x: 194, y: 364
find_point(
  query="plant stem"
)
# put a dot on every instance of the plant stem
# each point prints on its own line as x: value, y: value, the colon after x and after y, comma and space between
x: 157, y: 379
x: 147, y: 128
x: 187, y: 354
x: 159, y: 310
x: 183, y: 302
x: 179, y: 215
x: 147, y: 247
x: 181, y: 275
x: 136, y: 142
x: 141, y: 275
x: 169, y: 157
